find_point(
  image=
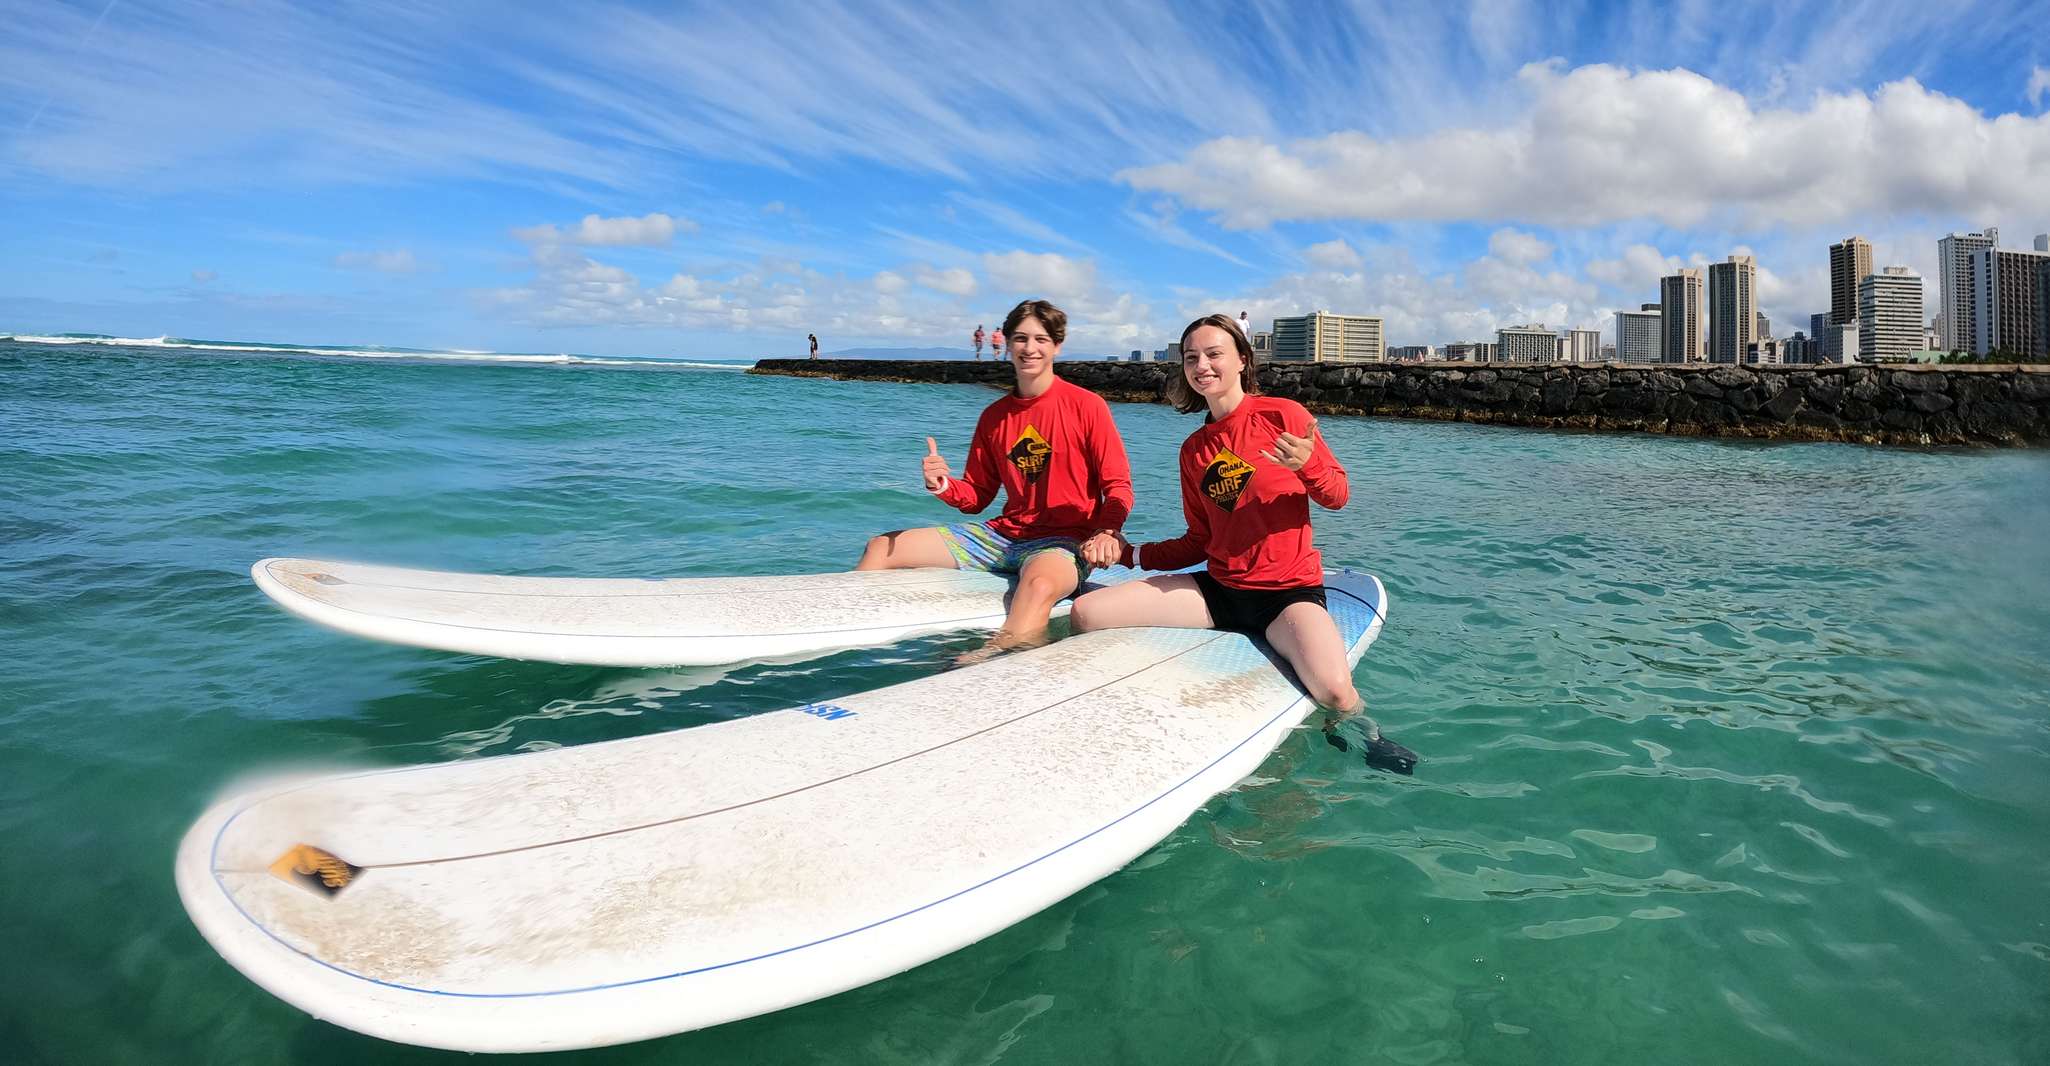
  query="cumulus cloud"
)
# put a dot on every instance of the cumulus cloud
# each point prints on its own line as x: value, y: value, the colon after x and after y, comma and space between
x: 1333, y: 255
x: 1516, y: 246
x: 954, y: 281
x: 1601, y: 144
x: 2039, y: 84
x: 914, y: 303
x: 649, y: 231
x: 391, y: 261
x: 1638, y: 268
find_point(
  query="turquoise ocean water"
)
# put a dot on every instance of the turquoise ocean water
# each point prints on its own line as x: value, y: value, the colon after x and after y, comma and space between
x: 1733, y: 752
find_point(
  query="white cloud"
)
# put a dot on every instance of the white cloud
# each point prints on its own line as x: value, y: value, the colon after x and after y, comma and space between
x: 390, y: 261
x: 954, y: 281
x: 1602, y: 144
x: 204, y: 276
x: 1516, y: 246
x: 569, y: 289
x: 1638, y: 269
x: 652, y: 230
x: 2039, y: 84
x: 1333, y: 254
x: 1040, y: 275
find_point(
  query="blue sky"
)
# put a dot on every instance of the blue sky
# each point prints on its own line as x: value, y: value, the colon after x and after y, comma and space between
x: 720, y: 179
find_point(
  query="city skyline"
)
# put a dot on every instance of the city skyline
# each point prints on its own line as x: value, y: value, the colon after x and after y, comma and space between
x: 657, y: 179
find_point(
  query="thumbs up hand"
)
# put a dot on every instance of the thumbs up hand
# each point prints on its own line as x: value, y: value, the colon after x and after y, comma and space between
x: 935, y: 468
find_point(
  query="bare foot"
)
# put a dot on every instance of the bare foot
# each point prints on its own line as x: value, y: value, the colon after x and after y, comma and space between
x: 1003, y: 643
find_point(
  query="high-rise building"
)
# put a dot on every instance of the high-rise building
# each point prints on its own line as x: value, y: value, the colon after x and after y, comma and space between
x: 1470, y: 352
x: 1526, y: 344
x: 2043, y: 242
x: 1765, y: 352
x: 1322, y: 337
x: 1580, y: 346
x: 1801, y: 348
x: 1637, y: 336
x: 2008, y: 309
x: 1849, y: 261
x: 1889, y: 315
x: 1683, y: 318
x: 1764, y: 328
x: 1732, y: 308
x: 1954, y: 273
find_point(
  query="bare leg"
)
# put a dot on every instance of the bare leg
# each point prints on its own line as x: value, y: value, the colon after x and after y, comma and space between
x: 1045, y: 578
x: 906, y: 548
x: 1306, y: 636
x: 1166, y: 600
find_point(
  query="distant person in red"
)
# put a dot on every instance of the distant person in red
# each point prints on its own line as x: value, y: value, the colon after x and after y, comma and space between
x: 999, y: 348
x: 814, y: 344
x: 978, y: 342
x: 1054, y: 451
x: 1249, y: 475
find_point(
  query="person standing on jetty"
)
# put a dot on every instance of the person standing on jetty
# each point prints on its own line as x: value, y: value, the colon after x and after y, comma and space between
x: 978, y: 342
x: 999, y: 348
x: 1056, y: 454
x: 814, y: 344
x: 1249, y: 475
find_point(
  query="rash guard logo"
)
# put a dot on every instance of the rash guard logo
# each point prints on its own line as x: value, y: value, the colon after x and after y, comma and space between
x: 1030, y: 453
x: 1225, y: 478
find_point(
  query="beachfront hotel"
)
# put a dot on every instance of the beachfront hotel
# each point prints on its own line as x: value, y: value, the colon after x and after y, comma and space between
x: 1954, y: 276
x: 1526, y: 344
x: 1890, y: 315
x: 1637, y: 335
x: 1323, y: 337
x: 1732, y: 308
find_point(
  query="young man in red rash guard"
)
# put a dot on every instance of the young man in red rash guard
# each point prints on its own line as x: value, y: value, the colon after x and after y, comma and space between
x: 1249, y: 475
x: 1054, y: 451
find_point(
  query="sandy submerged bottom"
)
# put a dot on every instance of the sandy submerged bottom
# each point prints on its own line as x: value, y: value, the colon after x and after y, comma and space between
x: 1732, y: 751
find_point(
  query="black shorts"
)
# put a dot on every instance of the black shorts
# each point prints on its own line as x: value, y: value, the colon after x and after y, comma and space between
x: 1250, y: 611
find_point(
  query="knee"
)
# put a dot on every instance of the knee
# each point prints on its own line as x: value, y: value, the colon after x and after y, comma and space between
x: 1039, y: 588
x: 1084, y: 615
x: 877, y: 552
x: 1336, y: 693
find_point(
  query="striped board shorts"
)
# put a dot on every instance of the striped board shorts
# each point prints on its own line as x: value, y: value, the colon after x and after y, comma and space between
x: 975, y: 546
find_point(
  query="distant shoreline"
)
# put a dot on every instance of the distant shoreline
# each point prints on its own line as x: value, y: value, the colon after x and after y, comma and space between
x: 1919, y: 405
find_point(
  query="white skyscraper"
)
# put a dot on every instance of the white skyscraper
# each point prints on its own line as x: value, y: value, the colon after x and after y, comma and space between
x: 1321, y: 336
x: 1580, y: 346
x: 1954, y: 274
x: 1637, y: 336
x: 1526, y: 344
x: 1889, y: 315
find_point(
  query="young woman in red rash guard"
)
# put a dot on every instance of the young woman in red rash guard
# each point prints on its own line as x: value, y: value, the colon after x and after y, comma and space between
x: 1054, y: 451
x: 1249, y: 475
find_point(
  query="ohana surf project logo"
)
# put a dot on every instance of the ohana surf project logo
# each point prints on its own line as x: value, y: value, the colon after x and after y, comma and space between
x: 1030, y: 453
x: 1224, y: 480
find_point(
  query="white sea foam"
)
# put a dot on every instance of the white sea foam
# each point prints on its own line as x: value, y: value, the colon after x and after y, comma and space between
x: 461, y: 355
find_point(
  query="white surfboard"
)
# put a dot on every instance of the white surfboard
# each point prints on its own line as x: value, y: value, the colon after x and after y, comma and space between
x: 631, y: 622
x: 635, y: 888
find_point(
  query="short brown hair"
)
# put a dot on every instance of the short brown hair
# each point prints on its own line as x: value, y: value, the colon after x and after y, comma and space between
x: 1053, y: 318
x: 1185, y: 399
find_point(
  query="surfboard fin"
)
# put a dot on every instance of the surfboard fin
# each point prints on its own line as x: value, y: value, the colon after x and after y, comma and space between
x: 315, y: 868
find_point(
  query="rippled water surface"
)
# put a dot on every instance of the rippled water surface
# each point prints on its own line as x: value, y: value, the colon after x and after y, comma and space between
x: 1733, y: 752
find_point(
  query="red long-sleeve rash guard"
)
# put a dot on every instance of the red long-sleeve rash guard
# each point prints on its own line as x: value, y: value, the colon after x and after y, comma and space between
x: 1059, y: 460
x: 1250, y: 518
